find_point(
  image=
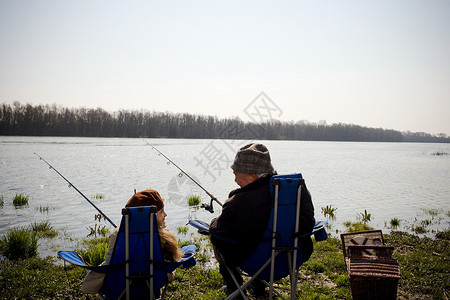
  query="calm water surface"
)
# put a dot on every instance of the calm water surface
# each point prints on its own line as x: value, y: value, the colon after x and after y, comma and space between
x: 389, y: 180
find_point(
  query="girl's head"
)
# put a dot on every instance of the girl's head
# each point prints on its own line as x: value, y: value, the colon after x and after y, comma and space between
x: 161, y: 216
x: 148, y: 198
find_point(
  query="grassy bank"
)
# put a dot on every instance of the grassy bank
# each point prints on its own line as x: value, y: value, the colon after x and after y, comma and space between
x: 424, y: 264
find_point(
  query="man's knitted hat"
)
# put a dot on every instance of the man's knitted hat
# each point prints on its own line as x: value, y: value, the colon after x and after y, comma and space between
x: 146, y: 198
x: 252, y: 159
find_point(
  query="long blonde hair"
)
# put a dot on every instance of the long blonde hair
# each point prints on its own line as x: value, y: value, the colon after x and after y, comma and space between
x: 169, y: 246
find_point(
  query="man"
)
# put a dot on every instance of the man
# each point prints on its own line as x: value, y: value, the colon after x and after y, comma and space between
x: 246, y: 213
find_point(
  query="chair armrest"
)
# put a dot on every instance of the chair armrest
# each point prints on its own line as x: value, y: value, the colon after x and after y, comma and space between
x: 72, y: 257
x: 320, y: 234
x: 203, y: 227
x: 75, y: 259
x: 191, y: 248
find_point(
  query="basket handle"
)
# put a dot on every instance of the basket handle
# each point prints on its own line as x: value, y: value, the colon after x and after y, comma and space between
x: 381, y: 251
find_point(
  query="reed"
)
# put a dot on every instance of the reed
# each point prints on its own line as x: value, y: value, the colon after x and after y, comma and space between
x: 438, y: 153
x: 357, y: 226
x: 418, y: 229
x: 329, y: 212
x: 395, y: 223
x: 98, y: 230
x: 194, y: 200
x: 94, y: 251
x: 20, y: 200
x: 97, y: 254
x: 430, y: 211
x: 19, y: 243
x: 364, y: 217
x: 43, y: 229
x: 182, y: 230
x: 43, y: 209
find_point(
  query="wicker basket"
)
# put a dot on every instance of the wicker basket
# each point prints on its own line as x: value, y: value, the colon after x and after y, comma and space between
x: 372, y: 272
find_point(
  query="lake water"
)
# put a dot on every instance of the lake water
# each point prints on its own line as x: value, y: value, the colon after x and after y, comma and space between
x: 389, y: 180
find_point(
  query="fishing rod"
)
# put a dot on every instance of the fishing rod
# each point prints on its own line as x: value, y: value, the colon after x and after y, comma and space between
x: 208, y: 207
x: 71, y: 185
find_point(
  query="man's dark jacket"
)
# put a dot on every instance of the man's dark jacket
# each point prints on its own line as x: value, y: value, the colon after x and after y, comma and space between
x: 245, y: 217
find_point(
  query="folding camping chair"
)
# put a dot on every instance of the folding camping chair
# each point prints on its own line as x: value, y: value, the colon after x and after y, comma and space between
x: 279, y: 254
x: 137, y: 269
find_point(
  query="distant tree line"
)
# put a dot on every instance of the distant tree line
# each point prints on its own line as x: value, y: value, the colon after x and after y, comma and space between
x: 54, y: 120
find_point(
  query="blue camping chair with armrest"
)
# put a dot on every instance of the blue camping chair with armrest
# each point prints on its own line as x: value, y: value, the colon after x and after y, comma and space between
x: 279, y: 254
x: 137, y: 269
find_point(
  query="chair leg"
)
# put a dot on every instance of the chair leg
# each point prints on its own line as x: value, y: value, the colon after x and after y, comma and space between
x: 163, y: 294
x: 294, y: 281
x: 245, y: 285
x: 122, y: 296
x: 274, y: 290
x: 150, y: 290
x: 239, y: 290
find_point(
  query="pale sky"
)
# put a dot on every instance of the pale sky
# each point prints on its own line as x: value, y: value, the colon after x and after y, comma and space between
x: 381, y: 63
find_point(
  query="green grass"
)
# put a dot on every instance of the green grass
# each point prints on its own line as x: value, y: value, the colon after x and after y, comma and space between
x: 395, y: 223
x: 97, y: 230
x: 43, y: 229
x: 44, y: 208
x: 194, y: 200
x: 431, y: 212
x: 205, y: 248
x: 329, y: 212
x: 20, y: 200
x: 424, y: 263
x: 40, y: 278
x: 365, y: 217
x: 182, y: 230
x: 96, y: 254
x: 19, y: 243
x: 196, y: 283
x: 419, y: 229
x: 356, y: 226
x: 328, y: 254
x: 94, y: 250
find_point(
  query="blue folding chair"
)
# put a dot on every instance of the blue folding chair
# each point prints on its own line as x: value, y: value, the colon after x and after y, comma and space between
x: 137, y: 269
x: 279, y: 253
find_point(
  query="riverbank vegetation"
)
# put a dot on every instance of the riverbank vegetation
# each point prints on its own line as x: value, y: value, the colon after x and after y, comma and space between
x: 424, y: 265
x: 20, y: 200
x: 439, y: 153
x: 53, y: 120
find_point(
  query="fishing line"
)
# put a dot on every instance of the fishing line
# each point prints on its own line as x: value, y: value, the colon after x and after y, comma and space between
x: 71, y: 185
x: 208, y: 207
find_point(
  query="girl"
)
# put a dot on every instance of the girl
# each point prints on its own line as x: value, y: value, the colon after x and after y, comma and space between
x: 93, y: 281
